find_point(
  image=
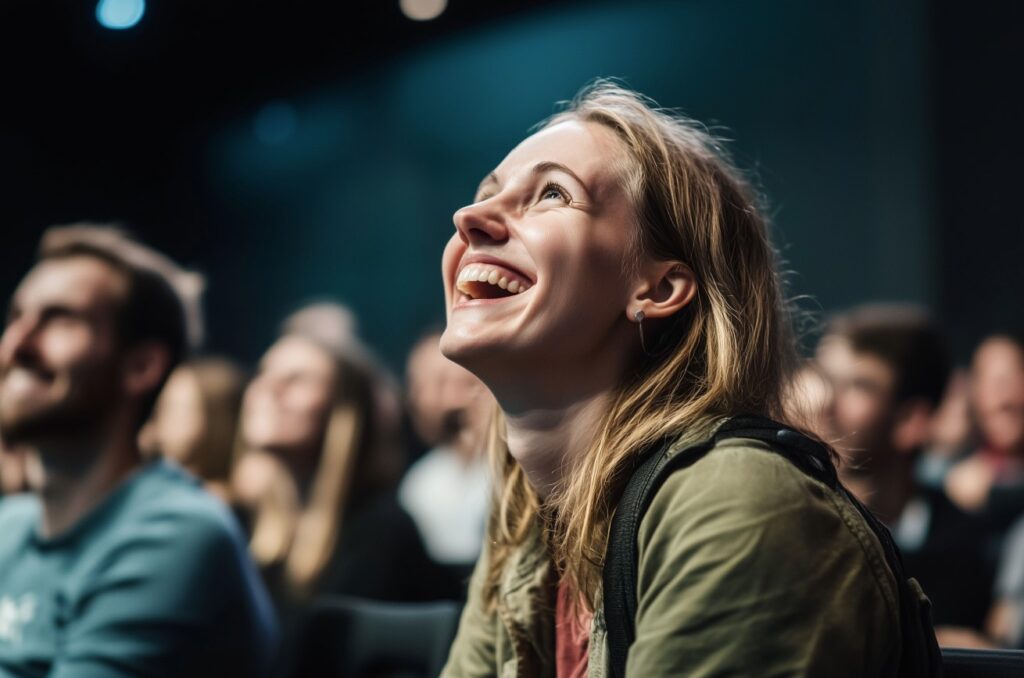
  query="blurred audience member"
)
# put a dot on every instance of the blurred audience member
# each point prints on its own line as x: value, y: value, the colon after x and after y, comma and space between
x: 319, y: 472
x: 952, y: 432
x: 809, y: 401
x: 447, y: 490
x: 991, y: 480
x: 195, y: 422
x: 1006, y: 621
x: 888, y: 366
x: 112, y: 567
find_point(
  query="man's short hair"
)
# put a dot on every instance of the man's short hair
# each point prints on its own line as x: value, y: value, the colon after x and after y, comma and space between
x: 905, y: 338
x: 162, y: 301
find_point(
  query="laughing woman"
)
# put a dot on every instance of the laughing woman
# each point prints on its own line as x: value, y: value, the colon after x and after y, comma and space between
x: 614, y: 286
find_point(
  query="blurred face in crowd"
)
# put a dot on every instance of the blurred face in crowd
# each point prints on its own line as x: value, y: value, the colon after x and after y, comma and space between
x: 997, y: 393
x: 422, y: 373
x: 810, y: 400
x: 287, y: 404
x: 862, y: 399
x: 951, y: 427
x: 535, y: 275
x: 59, y: 355
x: 443, y: 396
x: 180, y: 419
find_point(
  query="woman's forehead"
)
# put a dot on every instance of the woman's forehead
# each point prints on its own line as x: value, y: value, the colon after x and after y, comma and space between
x: 587, y: 148
x: 296, y: 351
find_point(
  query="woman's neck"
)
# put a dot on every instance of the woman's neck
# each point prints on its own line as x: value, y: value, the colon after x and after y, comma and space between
x: 545, y: 441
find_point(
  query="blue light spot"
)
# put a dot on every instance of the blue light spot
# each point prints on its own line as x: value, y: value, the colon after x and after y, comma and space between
x: 120, y: 14
x: 275, y: 123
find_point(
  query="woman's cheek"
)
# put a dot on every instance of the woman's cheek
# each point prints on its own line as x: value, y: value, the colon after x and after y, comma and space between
x: 449, y: 260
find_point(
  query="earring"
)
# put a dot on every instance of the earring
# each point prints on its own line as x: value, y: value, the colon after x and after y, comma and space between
x: 639, y: 316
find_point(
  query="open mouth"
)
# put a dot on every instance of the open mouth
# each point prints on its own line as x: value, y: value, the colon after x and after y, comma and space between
x: 27, y: 373
x: 490, y: 281
x: 23, y: 379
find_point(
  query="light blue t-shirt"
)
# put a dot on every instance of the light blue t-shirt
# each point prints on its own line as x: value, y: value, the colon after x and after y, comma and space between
x: 155, y: 581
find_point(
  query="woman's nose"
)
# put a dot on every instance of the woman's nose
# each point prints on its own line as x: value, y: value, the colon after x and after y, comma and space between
x: 480, y: 223
x: 265, y: 387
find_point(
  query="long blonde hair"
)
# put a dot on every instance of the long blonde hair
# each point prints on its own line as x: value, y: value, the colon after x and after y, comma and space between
x: 221, y: 383
x: 726, y: 353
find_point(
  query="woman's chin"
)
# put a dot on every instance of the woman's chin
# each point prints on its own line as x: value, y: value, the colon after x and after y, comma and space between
x: 459, y: 347
x: 476, y: 352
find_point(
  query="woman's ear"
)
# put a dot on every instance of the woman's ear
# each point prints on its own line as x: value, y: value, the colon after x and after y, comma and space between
x: 663, y: 289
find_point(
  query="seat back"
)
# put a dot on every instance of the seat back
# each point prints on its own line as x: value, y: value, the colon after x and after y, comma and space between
x: 358, y: 638
x: 960, y: 663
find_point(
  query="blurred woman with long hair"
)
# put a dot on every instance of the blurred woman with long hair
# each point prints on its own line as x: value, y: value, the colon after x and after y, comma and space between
x: 319, y: 429
x: 195, y: 421
x: 614, y: 286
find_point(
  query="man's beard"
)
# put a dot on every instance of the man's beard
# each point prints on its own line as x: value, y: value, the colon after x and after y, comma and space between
x: 79, y: 413
x: 58, y: 421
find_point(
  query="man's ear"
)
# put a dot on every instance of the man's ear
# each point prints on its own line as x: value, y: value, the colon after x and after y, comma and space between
x: 913, y: 425
x: 144, y: 366
x: 663, y: 289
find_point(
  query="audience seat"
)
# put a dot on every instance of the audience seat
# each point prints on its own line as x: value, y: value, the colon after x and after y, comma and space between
x: 983, y: 663
x: 358, y: 638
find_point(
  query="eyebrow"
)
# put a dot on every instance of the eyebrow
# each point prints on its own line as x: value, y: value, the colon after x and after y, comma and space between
x: 541, y: 167
x: 550, y: 166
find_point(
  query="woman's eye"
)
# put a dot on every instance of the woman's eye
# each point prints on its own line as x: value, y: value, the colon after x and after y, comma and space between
x: 554, y: 191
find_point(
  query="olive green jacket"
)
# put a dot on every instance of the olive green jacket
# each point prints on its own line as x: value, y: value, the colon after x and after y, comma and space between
x: 747, y: 567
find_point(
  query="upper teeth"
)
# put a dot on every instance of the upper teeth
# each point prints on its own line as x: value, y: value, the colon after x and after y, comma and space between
x: 492, y: 276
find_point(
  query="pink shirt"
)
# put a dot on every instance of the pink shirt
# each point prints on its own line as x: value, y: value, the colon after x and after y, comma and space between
x: 572, y: 636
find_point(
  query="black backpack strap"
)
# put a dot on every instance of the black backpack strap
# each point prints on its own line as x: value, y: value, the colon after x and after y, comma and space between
x: 621, y: 559
x: 920, y: 656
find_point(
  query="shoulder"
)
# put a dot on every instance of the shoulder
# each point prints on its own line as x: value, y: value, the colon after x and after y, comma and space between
x: 166, y: 492
x: 438, y: 463
x: 378, y: 518
x: 437, y: 460
x: 19, y: 515
x: 18, y: 509
x: 743, y: 497
x: 166, y: 513
x: 377, y: 531
x: 741, y: 479
x: 760, y: 564
x: 735, y: 488
x: 168, y: 546
x: 745, y: 474
x: 167, y: 563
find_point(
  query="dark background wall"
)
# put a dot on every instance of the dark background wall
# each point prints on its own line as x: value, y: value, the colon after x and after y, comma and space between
x: 299, y: 152
x: 978, y: 177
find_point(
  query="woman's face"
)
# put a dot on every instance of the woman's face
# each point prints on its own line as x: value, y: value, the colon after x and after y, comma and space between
x: 534, y: 275
x: 287, y: 404
x: 180, y: 420
x: 998, y: 394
